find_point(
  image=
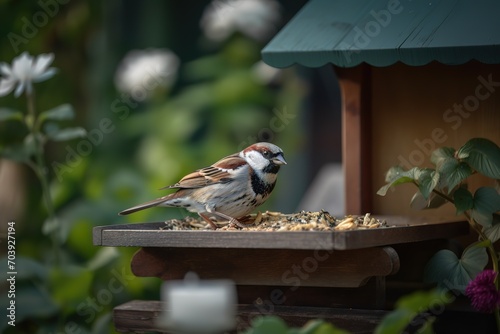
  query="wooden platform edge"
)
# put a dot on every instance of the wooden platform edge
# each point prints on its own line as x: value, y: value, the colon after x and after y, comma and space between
x: 151, y: 235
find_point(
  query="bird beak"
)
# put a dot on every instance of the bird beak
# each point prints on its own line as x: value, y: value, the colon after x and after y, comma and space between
x: 279, y: 160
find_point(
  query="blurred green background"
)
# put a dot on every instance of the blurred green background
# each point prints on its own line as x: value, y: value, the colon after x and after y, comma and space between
x: 219, y: 101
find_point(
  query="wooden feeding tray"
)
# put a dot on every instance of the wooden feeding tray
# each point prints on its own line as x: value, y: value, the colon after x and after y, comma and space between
x: 397, y: 230
x: 325, y: 268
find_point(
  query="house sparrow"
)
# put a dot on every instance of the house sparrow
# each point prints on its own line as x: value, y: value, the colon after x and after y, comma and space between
x: 229, y: 189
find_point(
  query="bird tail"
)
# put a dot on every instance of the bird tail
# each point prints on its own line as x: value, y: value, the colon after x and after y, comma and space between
x: 143, y: 206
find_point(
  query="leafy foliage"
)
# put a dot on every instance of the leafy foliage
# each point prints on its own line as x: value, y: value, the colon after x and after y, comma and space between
x: 450, y: 272
x: 447, y: 182
x: 276, y: 325
x: 409, y: 307
x: 482, y: 155
x: 217, y: 104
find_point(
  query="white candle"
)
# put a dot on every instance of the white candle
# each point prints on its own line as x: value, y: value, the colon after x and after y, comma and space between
x: 199, y: 306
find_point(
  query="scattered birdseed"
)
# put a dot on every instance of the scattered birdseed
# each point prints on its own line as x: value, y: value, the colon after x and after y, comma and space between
x: 277, y: 221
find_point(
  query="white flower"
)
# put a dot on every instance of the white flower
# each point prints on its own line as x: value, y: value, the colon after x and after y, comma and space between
x: 24, y: 71
x: 256, y: 19
x: 143, y: 71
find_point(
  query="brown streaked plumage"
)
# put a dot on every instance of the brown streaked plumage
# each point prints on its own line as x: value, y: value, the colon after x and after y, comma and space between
x: 229, y: 189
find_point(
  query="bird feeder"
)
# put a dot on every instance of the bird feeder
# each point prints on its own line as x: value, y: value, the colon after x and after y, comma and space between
x: 414, y: 76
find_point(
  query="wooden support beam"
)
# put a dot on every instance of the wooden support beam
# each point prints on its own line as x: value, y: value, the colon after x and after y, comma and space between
x: 355, y: 86
x: 321, y: 268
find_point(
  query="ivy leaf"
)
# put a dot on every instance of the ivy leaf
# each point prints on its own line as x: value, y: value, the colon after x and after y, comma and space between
x: 463, y: 200
x: 427, y: 181
x: 7, y: 114
x: 442, y: 154
x: 397, y: 175
x: 59, y: 113
x: 483, y: 155
x: 486, y: 202
x: 452, y: 273
x: 67, y: 134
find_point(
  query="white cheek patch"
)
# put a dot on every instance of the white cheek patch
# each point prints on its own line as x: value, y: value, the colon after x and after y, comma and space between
x: 256, y: 160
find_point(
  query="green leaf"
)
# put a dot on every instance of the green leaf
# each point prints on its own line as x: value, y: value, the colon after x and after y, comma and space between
x: 420, y: 301
x: 10, y: 115
x: 59, y: 113
x: 16, y: 152
x: 474, y: 259
x: 483, y: 155
x: 454, y: 172
x: 493, y: 232
x: 67, y: 134
x: 395, y: 322
x: 268, y: 324
x: 486, y: 202
x: 418, y: 202
x: 396, y: 175
x: 427, y: 181
x: 30, y: 144
x: 452, y: 273
x: 408, y: 307
x: 50, y: 127
x: 441, y: 155
x: 103, y: 324
x: 63, y: 282
x: 319, y: 326
x: 463, y: 200
x: 102, y: 258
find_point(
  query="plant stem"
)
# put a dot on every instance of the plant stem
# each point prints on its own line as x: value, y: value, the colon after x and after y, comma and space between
x: 40, y: 169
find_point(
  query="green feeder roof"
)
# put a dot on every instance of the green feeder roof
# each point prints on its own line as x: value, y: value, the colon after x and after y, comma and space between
x: 382, y: 32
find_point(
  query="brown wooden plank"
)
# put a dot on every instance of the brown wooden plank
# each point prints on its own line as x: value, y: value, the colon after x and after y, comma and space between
x: 355, y: 87
x: 141, y: 316
x: 326, y: 268
x: 405, y: 230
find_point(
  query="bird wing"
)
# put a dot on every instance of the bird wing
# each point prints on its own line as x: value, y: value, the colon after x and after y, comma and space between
x: 219, y: 172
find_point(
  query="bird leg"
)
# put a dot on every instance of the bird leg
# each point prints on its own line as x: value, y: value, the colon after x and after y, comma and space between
x: 207, y: 219
x: 226, y: 217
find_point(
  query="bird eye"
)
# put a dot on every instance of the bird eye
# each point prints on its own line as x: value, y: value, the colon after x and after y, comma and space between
x: 267, y: 154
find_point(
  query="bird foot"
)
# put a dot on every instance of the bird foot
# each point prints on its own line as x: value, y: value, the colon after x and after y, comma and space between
x: 236, y: 222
